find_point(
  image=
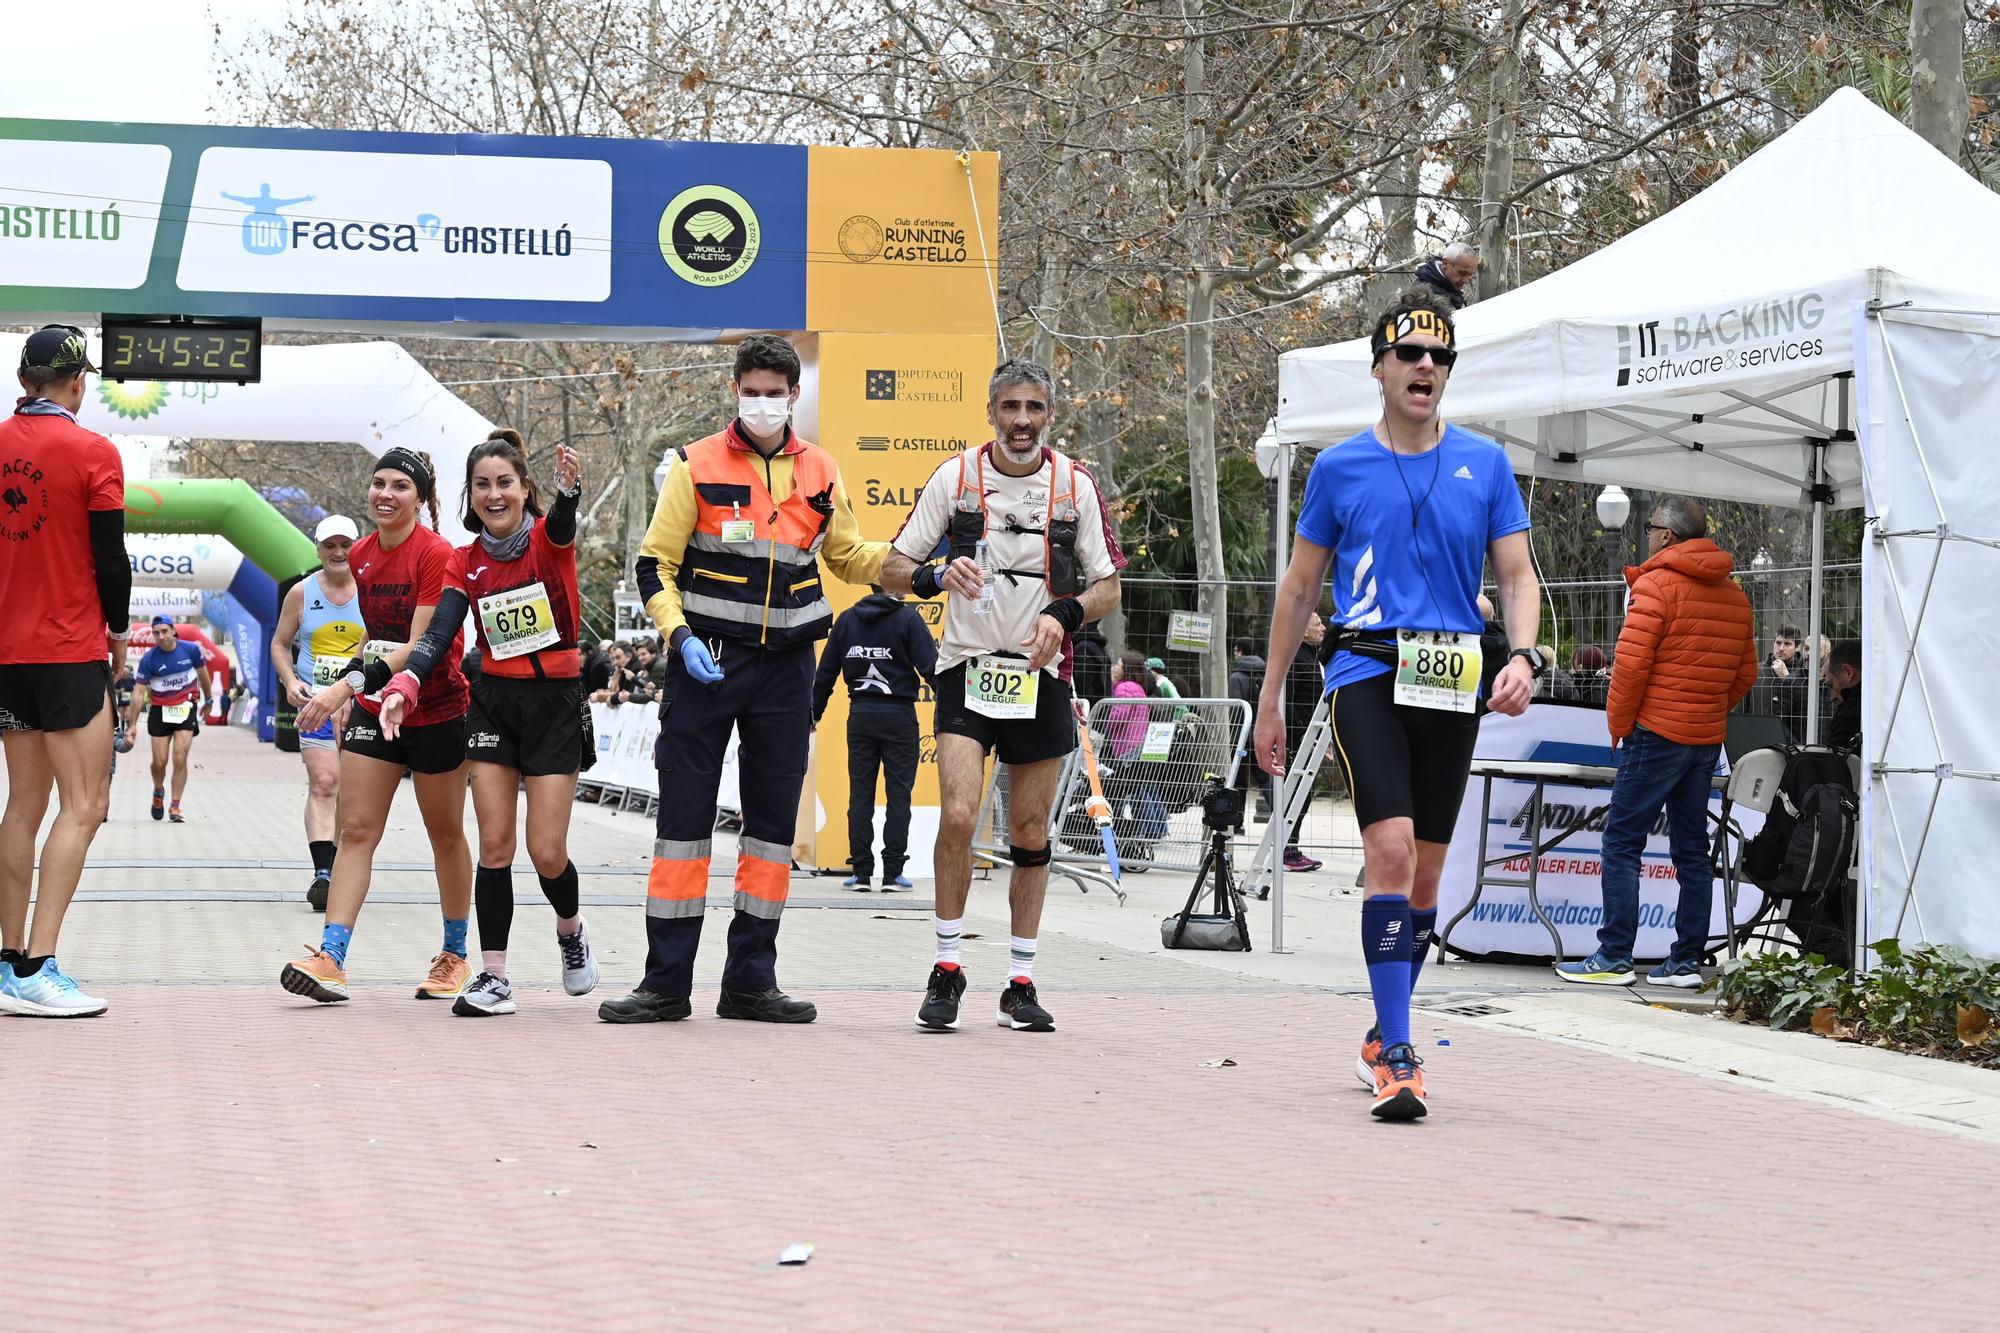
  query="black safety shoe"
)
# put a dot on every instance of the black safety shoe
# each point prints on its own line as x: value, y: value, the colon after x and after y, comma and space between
x: 940, y: 1011
x: 316, y: 895
x: 1018, y: 1009
x: 764, y: 1006
x: 644, y: 1006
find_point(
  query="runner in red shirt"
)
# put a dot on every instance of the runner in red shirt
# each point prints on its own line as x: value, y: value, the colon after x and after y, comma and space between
x: 526, y: 728
x: 65, y: 582
x: 399, y: 569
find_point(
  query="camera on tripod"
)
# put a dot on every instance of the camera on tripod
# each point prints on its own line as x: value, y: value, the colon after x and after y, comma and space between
x: 1221, y: 807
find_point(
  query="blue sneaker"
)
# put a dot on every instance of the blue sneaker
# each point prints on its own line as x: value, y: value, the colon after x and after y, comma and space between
x: 899, y: 882
x: 50, y: 993
x: 10, y: 1000
x: 1597, y: 970
x: 859, y: 883
x: 1687, y: 976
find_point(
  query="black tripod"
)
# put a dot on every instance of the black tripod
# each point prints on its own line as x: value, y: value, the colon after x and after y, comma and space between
x: 1225, y: 927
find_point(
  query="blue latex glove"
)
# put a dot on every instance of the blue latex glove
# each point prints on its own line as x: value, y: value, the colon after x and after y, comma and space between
x: 695, y: 657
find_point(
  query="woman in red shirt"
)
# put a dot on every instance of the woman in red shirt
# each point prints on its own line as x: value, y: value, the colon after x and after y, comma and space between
x: 517, y: 578
x: 400, y: 572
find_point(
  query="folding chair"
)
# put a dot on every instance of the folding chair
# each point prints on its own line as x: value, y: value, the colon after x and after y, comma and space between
x: 1753, y: 785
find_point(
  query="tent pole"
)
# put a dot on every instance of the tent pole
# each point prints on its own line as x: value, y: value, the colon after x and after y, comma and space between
x: 1280, y: 530
x: 1818, y: 604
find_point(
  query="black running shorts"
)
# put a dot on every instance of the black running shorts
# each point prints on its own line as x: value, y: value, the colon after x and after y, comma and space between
x: 157, y: 724
x: 59, y: 696
x: 1049, y: 734
x: 535, y: 726
x: 1402, y: 761
x: 436, y: 748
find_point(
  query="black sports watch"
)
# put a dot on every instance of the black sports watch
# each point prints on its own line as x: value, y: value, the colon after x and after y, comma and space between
x: 1537, y: 664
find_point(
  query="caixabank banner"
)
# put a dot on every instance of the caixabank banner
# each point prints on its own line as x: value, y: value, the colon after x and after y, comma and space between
x: 489, y: 235
x: 892, y: 409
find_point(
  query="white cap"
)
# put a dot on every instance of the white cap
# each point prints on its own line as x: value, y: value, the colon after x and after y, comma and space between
x: 336, y: 525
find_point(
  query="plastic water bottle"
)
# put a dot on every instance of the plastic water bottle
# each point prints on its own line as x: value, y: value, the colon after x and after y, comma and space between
x: 983, y: 604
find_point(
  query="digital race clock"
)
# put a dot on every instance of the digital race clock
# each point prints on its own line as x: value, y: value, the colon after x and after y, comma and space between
x: 182, y: 347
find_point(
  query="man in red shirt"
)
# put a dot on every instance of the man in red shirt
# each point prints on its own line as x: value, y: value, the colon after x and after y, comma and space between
x: 65, y: 583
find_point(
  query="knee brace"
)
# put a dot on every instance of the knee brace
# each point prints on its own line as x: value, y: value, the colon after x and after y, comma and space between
x: 1028, y: 856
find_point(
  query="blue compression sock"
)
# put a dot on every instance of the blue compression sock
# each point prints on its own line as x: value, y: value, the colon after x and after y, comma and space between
x: 1385, y: 945
x: 1422, y: 926
x: 333, y: 941
x: 454, y: 935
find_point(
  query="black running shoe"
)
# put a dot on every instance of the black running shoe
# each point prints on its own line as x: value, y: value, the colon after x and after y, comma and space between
x: 316, y: 895
x: 765, y: 1006
x: 940, y: 1011
x: 1019, y: 1011
x: 644, y: 1006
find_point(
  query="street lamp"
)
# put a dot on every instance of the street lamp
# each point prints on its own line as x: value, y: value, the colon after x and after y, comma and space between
x: 1613, y: 507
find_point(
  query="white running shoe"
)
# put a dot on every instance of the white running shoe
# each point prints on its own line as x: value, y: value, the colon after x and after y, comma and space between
x: 51, y: 993
x: 486, y: 997
x: 579, y: 964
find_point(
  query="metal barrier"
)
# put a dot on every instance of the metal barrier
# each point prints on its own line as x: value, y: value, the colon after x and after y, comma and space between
x: 1154, y: 756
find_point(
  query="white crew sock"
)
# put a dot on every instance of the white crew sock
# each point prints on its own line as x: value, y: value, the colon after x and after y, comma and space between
x: 1021, y: 957
x: 947, y: 940
x: 494, y: 961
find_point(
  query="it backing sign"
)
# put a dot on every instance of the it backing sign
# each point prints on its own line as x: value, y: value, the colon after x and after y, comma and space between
x: 891, y: 410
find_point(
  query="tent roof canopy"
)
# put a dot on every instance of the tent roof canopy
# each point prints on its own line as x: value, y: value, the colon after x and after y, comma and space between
x: 1707, y: 351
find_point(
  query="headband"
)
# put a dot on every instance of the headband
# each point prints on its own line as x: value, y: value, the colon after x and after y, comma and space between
x: 402, y: 460
x: 1398, y: 327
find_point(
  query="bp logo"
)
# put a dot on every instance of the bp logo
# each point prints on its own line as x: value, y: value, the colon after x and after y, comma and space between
x: 861, y: 238
x: 134, y: 401
x: 709, y: 235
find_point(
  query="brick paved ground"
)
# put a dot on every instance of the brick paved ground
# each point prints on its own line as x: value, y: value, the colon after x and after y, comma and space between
x: 215, y: 1153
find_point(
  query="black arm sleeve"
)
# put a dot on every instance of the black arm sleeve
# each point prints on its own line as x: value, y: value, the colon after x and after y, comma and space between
x: 429, y: 650
x: 561, y: 520
x: 114, y: 571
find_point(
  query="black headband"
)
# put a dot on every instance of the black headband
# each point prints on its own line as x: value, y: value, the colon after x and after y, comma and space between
x: 402, y: 460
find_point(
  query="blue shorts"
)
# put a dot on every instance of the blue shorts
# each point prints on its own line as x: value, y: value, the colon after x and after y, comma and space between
x: 318, y: 740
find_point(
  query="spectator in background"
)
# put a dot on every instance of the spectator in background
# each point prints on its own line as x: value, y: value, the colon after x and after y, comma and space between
x: 1305, y: 683
x: 619, y: 679
x: 1589, y: 675
x: 1246, y: 678
x: 1450, y: 273
x: 650, y: 667
x: 1163, y: 686
x: 1686, y: 656
x: 1125, y: 737
x: 596, y: 666
x: 1843, y: 674
x: 1090, y: 664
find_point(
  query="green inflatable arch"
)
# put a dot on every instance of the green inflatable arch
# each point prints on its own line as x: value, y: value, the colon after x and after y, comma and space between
x: 229, y: 509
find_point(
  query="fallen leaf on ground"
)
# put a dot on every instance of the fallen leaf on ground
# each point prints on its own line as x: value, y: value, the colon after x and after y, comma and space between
x: 1975, y: 1025
x: 1827, y: 1023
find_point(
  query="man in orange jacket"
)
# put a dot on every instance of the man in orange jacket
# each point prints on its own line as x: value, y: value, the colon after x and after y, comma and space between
x: 1686, y: 656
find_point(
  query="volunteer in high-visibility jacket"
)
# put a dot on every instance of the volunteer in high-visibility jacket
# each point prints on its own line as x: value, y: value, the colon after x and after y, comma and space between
x: 729, y: 571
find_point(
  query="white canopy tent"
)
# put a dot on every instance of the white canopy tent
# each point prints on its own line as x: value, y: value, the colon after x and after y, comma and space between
x: 1713, y: 351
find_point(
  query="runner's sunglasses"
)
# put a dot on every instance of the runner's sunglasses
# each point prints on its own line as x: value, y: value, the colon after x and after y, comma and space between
x: 1441, y: 357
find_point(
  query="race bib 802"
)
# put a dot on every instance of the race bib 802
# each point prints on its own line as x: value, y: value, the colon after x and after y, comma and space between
x: 1001, y: 687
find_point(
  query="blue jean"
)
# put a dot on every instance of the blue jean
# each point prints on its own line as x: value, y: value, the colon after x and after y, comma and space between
x: 1654, y: 772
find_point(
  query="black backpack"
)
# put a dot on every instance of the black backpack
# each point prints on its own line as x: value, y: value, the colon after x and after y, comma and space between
x: 1806, y: 845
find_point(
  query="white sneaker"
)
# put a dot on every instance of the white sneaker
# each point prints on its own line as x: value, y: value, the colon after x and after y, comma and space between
x: 579, y: 964
x: 486, y: 997
x: 50, y: 993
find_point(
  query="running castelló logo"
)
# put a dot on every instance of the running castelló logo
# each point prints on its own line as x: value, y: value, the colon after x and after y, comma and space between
x: 133, y: 401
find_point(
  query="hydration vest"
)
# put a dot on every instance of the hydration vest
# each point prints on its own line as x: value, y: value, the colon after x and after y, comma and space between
x: 758, y: 583
x: 1060, y: 571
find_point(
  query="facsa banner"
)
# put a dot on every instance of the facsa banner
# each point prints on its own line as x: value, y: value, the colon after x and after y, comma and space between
x: 488, y: 235
x: 1571, y: 885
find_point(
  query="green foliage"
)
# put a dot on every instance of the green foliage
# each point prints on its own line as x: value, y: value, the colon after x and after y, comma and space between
x: 1935, y: 1000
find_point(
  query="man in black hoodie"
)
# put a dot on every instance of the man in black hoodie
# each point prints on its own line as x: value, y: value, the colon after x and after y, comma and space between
x: 881, y: 646
x: 1246, y: 678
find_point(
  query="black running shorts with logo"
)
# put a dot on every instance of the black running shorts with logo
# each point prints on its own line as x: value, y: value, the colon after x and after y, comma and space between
x: 436, y: 748
x: 535, y: 726
x: 1049, y: 734
x: 58, y: 696
x: 1400, y: 760
x: 157, y: 724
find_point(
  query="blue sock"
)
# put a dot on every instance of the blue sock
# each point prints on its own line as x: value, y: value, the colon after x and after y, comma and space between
x: 454, y: 935
x: 1385, y: 944
x: 1422, y: 926
x: 333, y: 942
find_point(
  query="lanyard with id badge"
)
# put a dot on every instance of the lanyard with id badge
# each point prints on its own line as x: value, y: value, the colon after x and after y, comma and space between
x: 1438, y: 669
x: 1002, y: 688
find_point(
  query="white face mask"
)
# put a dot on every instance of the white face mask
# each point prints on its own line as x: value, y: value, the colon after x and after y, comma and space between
x: 764, y: 415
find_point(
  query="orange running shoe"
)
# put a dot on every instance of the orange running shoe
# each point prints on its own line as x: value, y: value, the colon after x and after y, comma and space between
x: 316, y: 976
x: 1399, y: 1086
x: 1371, y: 1055
x: 447, y: 977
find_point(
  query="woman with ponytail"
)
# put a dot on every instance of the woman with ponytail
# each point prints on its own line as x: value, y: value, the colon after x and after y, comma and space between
x: 517, y: 579
x: 400, y: 571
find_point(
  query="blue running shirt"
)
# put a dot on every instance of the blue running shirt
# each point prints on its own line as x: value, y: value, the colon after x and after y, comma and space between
x: 1408, y: 551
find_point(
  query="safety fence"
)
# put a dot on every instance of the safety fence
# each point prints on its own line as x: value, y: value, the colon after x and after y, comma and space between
x: 625, y: 774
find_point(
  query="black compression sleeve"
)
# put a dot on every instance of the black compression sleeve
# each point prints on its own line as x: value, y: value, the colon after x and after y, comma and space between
x: 114, y: 570
x: 561, y: 520
x: 427, y: 651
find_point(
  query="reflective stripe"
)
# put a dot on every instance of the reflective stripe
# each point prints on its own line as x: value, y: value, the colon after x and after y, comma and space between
x: 676, y: 910
x: 751, y: 613
x: 758, y: 907
x: 673, y: 879
x: 769, y: 851
x: 768, y: 882
x: 759, y: 549
x: 681, y: 851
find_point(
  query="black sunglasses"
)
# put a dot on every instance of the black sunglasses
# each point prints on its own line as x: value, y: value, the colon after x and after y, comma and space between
x: 1659, y: 527
x: 1409, y: 355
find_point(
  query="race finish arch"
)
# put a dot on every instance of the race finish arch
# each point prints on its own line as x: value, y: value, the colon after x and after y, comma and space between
x: 883, y: 262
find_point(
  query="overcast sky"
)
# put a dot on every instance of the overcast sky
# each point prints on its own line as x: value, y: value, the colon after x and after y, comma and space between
x: 146, y: 60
